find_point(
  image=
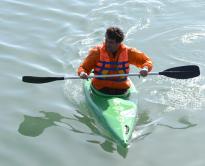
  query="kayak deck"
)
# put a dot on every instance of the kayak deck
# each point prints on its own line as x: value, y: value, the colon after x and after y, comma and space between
x: 116, y: 113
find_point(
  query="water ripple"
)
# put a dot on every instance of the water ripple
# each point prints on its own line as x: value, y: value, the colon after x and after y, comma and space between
x: 50, y: 38
x: 178, y: 94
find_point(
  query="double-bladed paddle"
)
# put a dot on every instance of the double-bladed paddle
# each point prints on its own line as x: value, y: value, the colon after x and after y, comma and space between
x: 181, y: 72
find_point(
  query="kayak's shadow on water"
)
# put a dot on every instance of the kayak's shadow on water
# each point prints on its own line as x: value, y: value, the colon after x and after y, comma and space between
x: 34, y: 126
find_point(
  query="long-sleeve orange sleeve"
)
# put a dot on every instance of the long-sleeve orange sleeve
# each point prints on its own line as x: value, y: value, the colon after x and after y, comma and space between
x: 139, y: 59
x: 90, y: 61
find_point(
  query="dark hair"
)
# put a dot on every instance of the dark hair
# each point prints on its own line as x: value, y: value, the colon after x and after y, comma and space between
x: 115, y: 33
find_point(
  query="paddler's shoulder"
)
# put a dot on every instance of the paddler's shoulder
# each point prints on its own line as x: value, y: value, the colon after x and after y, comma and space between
x: 94, y: 54
x: 95, y: 50
x: 132, y: 50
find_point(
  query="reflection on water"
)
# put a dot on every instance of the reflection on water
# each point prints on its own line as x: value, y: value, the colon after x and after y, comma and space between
x: 144, y: 127
x: 109, y: 146
x: 183, y: 121
x: 35, y: 126
x: 146, y: 124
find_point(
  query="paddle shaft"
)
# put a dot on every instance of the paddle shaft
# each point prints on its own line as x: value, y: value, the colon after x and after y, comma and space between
x: 110, y: 75
x: 181, y: 72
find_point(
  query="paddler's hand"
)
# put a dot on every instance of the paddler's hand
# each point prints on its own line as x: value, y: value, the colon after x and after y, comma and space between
x: 144, y: 72
x: 83, y: 75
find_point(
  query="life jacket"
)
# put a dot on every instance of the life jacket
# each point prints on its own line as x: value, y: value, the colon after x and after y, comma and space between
x: 104, y: 67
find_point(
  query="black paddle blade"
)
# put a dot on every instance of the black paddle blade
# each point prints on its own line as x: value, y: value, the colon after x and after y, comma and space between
x: 182, y: 72
x: 40, y: 80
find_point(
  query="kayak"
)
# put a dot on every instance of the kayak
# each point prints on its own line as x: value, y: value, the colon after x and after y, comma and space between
x: 117, y: 114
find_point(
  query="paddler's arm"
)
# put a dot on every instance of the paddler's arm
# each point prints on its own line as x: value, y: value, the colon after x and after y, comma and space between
x: 140, y: 60
x: 89, y: 62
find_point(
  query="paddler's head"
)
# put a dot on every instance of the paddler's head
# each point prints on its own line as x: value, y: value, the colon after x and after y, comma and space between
x: 113, y: 38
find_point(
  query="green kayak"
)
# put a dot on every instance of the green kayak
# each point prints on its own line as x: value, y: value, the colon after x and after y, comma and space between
x: 117, y: 114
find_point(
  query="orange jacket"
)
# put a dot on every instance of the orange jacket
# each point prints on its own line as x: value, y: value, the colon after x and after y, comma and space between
x: 104, y: 66
x: 135, y: 57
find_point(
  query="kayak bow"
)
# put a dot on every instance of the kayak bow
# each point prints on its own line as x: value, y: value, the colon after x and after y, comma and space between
x: 117, y: 114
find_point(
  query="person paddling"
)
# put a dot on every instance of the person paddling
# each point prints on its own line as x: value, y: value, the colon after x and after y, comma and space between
x: 113, y: 57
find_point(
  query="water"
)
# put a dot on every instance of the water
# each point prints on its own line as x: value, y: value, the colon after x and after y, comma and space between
x: 48, y: 123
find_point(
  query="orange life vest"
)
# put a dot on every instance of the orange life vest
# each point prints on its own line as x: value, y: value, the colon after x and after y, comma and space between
x: 104, y: 66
